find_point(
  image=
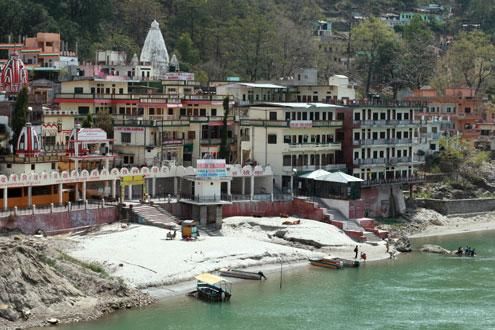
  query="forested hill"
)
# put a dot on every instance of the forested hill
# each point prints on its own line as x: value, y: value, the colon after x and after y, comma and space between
x: 255, y: 39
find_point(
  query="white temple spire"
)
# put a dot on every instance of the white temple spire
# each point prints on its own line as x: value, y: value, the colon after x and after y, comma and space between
x: 154, y: 51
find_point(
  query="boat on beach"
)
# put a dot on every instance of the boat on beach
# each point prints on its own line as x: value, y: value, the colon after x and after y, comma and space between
x: 242, y: 274
x: 348, y: 263
x: 212, y: 288
x: 332, y: 263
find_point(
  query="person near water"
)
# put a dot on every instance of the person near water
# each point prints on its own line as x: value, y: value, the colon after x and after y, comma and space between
x: 460, y: 251
x: 387, y: 245
x: 356, y: 250
x: 363, y: 256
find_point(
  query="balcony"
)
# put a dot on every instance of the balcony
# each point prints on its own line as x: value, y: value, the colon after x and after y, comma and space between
x: 305, y: 168
x: 311, y: 147
x: 384, y: 123
x: 379, y: 142
x: 292, y: 123
x: 402, y: 180
x: 215, y: 141
x: 383, y: 161
x: 144, y: 98
x: 149, y: 123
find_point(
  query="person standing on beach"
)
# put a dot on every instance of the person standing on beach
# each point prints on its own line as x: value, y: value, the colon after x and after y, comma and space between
x: 356, y: 250
x: 387, y: 245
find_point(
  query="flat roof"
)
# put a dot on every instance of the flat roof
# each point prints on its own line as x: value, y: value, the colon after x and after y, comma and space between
x: 259, y: 85
x: 303, y: 105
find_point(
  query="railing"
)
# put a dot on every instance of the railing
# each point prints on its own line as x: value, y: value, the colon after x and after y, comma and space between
x: 332, y: 146
x: 411, y: 179
x: 149, y: 123
x: 302, y: 168
x: 379, y: 161
x: 56, y: 208
x: 200, y: 199
x: 383, y: 141
x: 214, y: 141
x: 286, y: 123
x: 143, y: 97
x: 385, y: 122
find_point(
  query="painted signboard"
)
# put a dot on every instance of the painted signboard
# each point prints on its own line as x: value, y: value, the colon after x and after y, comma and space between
x: 210, y: 168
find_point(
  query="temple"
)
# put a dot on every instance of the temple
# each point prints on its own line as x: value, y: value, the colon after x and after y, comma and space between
x: 154, y: 51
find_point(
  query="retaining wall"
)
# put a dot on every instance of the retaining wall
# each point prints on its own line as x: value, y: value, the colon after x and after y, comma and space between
x: 59, y: 222
x: 297, y: 207
x: 458, y: 206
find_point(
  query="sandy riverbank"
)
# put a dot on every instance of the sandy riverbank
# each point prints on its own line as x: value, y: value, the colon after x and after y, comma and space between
x: 144, y: 258
x: 459, y: 225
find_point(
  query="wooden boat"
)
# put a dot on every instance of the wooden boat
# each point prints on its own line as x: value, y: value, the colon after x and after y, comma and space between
x: 242, y: 274
x: 348, y: 263
x: 212, y: 288
x: 332, y: 263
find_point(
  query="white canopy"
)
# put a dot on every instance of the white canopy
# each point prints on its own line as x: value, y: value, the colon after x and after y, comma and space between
x: 339, y: 177
x: 314, y: 174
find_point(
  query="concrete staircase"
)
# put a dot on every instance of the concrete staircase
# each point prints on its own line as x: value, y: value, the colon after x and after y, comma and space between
x: 154, y: 216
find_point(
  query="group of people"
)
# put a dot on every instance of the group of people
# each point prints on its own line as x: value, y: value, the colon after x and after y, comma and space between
x: 363, y: 254
x: 468, y: 251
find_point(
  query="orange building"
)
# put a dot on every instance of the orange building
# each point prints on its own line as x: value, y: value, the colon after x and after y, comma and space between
x: 458, y: 110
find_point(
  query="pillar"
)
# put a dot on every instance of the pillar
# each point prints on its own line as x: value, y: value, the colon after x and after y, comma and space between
x: 228, y: 188
x: 130, y: 191
x: 252, y: 187
x: 218, y: 218
x: 5, y: 198
x: 114, y: 188
x: 153, y: 187
x: 30, y: 196
x: 84, y: 191
x: 292, y: 185
x: 107, y: 162
x: 203, y: 215
x: 175, y: 185
x: 243, y: 186
x: 77, y: 192
x: 60, y: 193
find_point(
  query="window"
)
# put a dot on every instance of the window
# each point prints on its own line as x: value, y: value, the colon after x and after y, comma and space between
x: 50, y: 140
x: 121, y: 91
x: 78, y: 90
x: 287, y: 139
x: 202, y: 112
x: 356, y: 136
x: 273, y: 115
x: 213, y: 112
x: 125, y: 137
x: 182, y: 112
x: 170, y: 111
x: 287, y: 116
x: 83, y: 110
x: 287, y: 160
x: 272, y: 139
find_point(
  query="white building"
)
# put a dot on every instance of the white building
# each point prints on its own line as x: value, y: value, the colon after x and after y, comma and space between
x: 291, y: 137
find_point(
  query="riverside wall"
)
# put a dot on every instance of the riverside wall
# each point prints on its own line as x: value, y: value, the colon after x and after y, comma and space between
x: 59, y: 222
x: 457, y: 206
x: 297, y: 207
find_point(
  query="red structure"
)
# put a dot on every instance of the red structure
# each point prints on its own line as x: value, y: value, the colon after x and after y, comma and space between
x: 28, y: 143
x: 14, y: 75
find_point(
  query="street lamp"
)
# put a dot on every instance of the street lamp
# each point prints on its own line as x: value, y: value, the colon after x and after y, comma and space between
x: 294, y: 173
x: 30, y: 111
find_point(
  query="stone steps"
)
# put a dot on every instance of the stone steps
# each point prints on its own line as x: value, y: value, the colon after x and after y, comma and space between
x: 155, y: 216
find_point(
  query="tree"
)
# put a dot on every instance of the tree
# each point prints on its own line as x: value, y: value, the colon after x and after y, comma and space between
x: 418, y: 55
x: 224, y: 144
x: 20, y: 111
x: 88, y: 121
x: 469, y: 61
x: 371, y: 39
x: 186, y: 52
x: 103, y: 120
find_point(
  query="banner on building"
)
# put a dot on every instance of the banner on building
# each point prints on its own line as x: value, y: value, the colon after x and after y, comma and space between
x: 211, y: 168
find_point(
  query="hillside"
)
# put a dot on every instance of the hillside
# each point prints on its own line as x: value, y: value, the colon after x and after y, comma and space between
x: 253, y: 39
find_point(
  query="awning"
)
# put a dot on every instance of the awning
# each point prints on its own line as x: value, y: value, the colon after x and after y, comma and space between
x: 314, y: 174
x: 210, y: 278
x: 339, y: 177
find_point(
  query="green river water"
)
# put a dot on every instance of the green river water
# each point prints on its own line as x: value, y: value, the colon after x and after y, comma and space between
x: 416, y: 291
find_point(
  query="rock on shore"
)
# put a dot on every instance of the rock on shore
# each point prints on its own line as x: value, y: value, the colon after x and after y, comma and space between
x: 38, y: 283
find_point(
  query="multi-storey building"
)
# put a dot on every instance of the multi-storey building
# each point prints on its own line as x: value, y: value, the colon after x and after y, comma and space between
x: 291, y: 138
x: 382, y: 139
x: 458, y: 110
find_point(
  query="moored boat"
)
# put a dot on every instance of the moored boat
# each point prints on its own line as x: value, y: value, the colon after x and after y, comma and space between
x: 348, y: 263
x: 212, y: 288
x: 332, y: 263
x: 242, y: 274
